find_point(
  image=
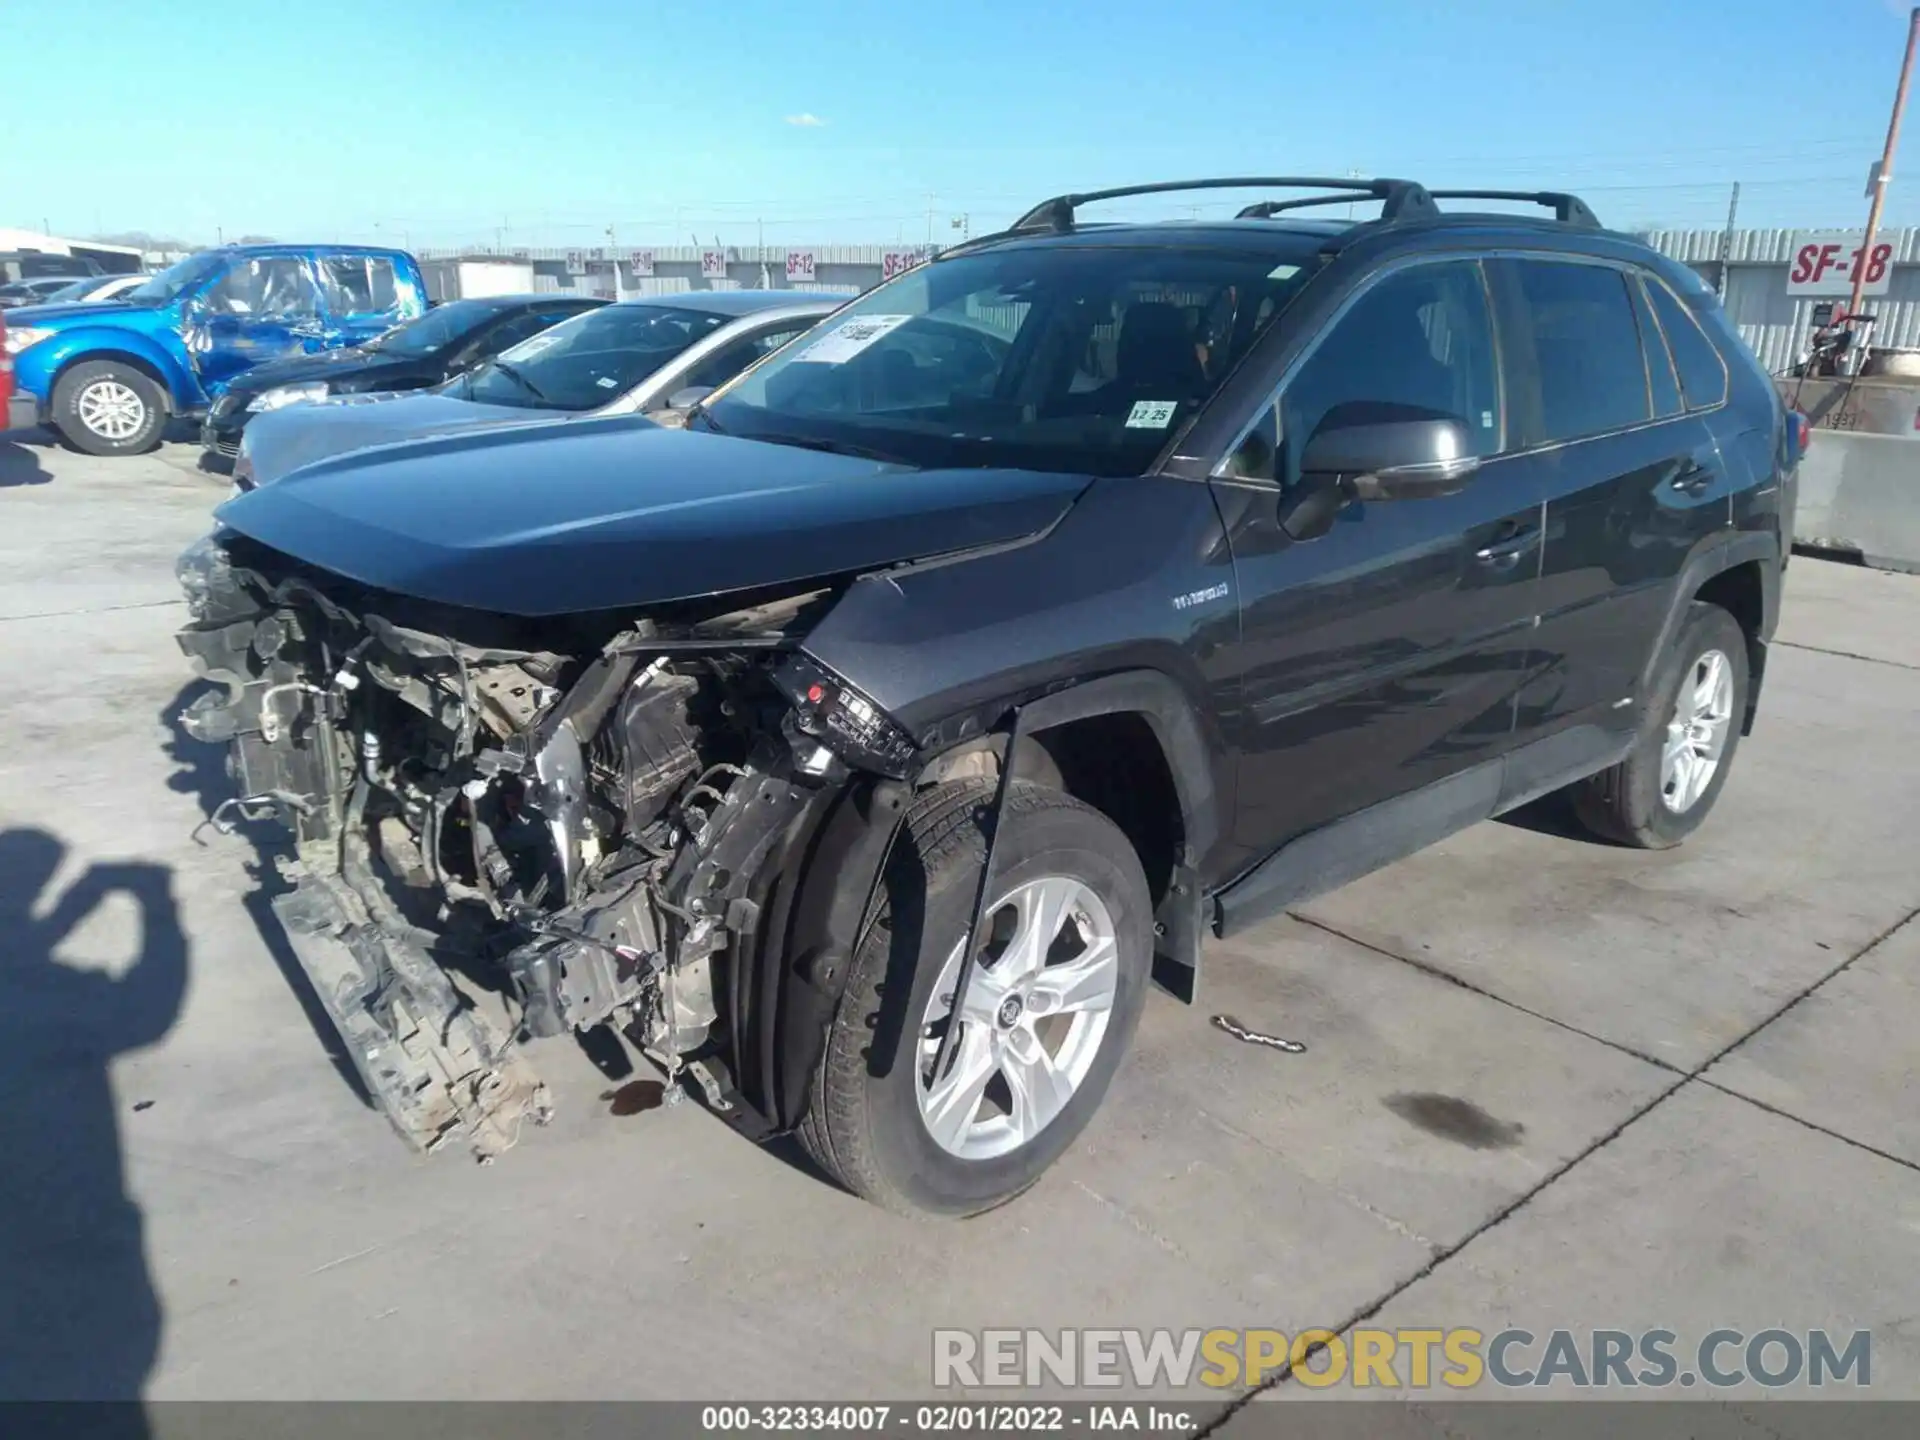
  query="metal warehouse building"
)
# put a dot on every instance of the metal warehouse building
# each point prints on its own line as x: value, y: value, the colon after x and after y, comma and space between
x: 1773, y: 322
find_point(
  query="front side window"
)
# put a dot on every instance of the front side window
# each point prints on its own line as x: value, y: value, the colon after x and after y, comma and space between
x: 1587, y: 362
x: 729, y: 360
x: 266, y: 287
x: 592, y: 359
x: 1419, y: 341
x: 1076, y: 358
x: 1703, y: 375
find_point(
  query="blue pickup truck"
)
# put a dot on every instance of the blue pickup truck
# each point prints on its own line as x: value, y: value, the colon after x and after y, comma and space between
x: 108, y: 376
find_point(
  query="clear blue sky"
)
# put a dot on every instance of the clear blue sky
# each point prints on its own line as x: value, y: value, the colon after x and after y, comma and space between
x: 836, y: 120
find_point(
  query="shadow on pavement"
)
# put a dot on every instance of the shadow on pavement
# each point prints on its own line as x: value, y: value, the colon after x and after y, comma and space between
x: 203, y: 775
x: 79, y: 1318
x: 1552, y: 815
x: 20, y: 463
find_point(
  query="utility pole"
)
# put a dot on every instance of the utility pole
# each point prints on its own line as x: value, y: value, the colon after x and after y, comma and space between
x: 1883, y: 173
x: 1726, y: 241
x: 932, y: 201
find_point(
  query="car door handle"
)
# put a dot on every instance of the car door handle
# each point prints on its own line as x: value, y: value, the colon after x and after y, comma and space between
x: 1505, y: 554
x: 1693, y: 479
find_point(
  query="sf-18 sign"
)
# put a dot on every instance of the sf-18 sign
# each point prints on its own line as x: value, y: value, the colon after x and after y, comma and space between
x: 800, y: 266
x: 898, y: 262
x: 1826, y: 262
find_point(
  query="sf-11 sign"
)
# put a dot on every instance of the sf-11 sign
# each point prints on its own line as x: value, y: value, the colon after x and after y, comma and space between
x: 1826, y: 262
x: 713, y: 264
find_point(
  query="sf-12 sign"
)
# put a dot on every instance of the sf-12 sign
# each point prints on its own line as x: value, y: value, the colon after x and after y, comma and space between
x: 713, y: 264
x: 898, y: 262
x: 1825, y: 262
x: 642, y: 263
x: 800, y: 266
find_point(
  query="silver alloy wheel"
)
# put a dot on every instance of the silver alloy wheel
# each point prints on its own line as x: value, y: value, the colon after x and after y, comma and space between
x: 1697, y: 733
x: 1035, y: 1013
x: 111, y: 410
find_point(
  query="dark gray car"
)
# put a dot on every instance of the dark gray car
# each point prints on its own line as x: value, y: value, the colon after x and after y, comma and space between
x: 632, y: 358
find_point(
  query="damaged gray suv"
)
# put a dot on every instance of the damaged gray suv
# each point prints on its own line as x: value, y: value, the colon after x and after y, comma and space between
x: 862, y: 751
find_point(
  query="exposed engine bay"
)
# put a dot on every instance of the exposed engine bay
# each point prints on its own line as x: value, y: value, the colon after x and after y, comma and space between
x: 574, y: 814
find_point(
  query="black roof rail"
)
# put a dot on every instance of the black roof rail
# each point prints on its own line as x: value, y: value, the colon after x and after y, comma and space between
x: 1403, y: 199
x: 1567, y: 209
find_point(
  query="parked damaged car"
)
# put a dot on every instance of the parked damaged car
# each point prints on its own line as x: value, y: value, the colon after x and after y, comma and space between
x: 108, y: 375
x: 862, y: 749
x: 448, y: 341
x: 654, y: 357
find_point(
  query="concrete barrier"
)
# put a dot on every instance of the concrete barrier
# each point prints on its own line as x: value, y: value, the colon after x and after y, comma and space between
x: 1861, y: 493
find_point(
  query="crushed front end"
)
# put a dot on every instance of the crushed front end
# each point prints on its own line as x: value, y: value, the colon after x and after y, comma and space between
x: 582, y: 816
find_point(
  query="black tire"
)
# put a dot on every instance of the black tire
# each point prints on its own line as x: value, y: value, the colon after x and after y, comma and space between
x: 88, y: 376
x: 863, y: 1124
x: 1624, y: 804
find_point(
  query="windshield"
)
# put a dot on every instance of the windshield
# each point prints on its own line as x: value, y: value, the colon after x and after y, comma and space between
x: 178, y: 277
x: 72, y: 290
x: 1082, y: 360
x: 438, y: 328
x: 592, y: 359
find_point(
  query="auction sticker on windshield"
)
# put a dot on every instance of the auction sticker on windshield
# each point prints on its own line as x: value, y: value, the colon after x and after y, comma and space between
x: 850, y: 338
x: 1151, y: 414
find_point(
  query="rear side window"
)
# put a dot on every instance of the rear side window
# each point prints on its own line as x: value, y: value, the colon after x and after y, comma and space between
x: 358, y: 284
x: 1703, y: 375
x: 1591, y: 375
x: 1421, y: 338
x: 1662, y: 382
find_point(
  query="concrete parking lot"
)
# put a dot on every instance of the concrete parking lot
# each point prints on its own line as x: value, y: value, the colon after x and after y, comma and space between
x: 1547, y: 1082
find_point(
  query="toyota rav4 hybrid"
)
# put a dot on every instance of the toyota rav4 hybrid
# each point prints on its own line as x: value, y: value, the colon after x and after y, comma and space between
x: 862, y: 750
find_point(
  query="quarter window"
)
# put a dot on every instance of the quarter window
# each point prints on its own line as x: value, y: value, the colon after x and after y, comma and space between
x: 1588, y: 365
x: 1703, y: 375
x: 1420, y: 339
x: 1662, y: 383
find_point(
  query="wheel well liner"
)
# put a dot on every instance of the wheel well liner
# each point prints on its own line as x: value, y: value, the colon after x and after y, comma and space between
x: 783, y: 996
x: 1741, y: 574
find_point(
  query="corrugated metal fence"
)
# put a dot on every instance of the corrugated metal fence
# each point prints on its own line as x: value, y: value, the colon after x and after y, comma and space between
x: 838, y: 269
x: 1772, y: 322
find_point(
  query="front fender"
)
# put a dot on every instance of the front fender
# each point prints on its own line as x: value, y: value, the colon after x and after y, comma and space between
x: 38, y: 366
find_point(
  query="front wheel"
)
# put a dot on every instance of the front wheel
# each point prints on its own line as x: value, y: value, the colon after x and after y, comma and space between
x: 1056, y: 987
x: 107, y: 408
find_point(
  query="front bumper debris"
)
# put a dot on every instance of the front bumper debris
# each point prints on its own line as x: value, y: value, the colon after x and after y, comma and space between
x: 439, y: 1069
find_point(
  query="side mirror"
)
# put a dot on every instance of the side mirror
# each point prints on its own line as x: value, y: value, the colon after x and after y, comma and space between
x: 1823, y: 313
x: 1391, y: 452
x: 689, y: 396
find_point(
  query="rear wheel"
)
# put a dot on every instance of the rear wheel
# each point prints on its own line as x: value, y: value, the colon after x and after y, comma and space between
x: 1664, y: 789
x: 1054, y: 993
x: 107, y: 408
